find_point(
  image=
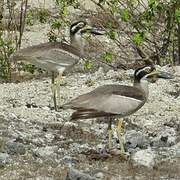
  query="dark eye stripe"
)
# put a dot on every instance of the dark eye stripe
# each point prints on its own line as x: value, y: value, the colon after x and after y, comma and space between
x: 75, y: 27
x: 141, y: 72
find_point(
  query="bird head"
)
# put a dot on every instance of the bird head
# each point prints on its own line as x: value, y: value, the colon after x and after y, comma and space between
x: 150, y: 74
x: 77, y: 30
x: 81, y: 27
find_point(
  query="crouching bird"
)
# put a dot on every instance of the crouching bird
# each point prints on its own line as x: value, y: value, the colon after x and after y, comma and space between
x: 115, y: 101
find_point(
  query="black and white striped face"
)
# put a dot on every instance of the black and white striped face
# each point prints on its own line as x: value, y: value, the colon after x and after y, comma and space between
x: 144, y: 72
x: 77, y: 27
x: 81, y: 27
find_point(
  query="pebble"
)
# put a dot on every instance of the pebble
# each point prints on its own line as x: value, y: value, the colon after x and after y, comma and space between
x: 74, y: 174
x: 135, y: 139
x: 4, y: 159
x: 144, y: 157
x: 15, y: 148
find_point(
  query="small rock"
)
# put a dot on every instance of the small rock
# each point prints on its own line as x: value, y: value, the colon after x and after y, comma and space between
x: 169, y: 153
x: 110, y: 74
x: 15, y: 148
x: 144, y: 157
x: 69, y: 160
x: 87, y: 5
x: 4, y: 159
x: 74, y: 174
x: 45, y: 152
x: 49, y: 137
x: 134, y: 139
x: 130, y: 73
x: 99, y: 74
x: 165, y: 138
x: 99, y: 176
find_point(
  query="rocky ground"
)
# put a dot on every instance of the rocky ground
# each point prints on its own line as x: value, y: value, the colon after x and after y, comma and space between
x: 38, y: 143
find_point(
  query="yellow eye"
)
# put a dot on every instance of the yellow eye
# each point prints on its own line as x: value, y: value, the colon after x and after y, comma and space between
x: 148, y: 70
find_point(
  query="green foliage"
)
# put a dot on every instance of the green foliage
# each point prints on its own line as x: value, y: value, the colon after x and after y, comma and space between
x: 112, y: 34
x: 6, y: 49
x: 138, y: 38
x: 30, y: 18
x: 37, y: 14
x: 152, y: 25
x: 88, y: 65
x: 56, y: 24
x: 43, y: 15
x: 107, y: 57
x: 177, y: 14
x: 29, y: 68
x: 125, y: 15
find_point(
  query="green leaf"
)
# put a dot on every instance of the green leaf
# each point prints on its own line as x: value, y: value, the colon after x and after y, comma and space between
x: 108, y: 57
x: 138, y: 38
x: 112, y: 34
x: 177, y: 14
x: 88, y: 65
x: 125, y: 15
x: 56, y: 24
x: 65, y: 11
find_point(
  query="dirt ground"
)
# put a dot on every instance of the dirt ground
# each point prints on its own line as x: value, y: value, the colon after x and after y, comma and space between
x: 40, y: 143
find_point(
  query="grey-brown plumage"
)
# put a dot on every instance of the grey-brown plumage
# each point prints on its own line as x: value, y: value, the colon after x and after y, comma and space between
x: 108, y: 100
x: 57, y: 57
x: 113, y: 100
x: 52, y: 56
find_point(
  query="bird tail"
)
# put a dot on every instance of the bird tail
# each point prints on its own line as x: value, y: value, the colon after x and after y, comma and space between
x: 82, y: 114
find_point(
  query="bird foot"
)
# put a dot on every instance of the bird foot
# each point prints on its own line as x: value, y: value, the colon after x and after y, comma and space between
x: 117, y: 152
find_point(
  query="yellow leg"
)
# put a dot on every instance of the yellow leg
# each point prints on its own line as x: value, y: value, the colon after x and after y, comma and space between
x: 110, y: 138
x: 119, y: 131
x: 58, y: 83
x: 53, y: 88
x: 110, y: 134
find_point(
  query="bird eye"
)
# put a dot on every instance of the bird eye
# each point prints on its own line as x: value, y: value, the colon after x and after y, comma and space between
x: 148, y: 70
x: 81, y: 25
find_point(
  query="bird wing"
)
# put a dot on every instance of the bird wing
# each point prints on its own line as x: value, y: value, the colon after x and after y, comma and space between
x: 50, y: 56
x: 109, y: 99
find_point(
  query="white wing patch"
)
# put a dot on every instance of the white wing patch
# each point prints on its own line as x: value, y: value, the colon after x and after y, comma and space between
x: 116, y: 104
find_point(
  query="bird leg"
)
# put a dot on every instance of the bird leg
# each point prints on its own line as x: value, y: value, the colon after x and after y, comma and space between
x: 110, y: 133
x: 58, y: 83
x: 119, y: 131
x: 53, y: 88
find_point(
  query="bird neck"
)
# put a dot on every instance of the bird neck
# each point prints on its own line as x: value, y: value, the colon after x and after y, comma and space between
x: 78, y: 42
x: 142, y: 85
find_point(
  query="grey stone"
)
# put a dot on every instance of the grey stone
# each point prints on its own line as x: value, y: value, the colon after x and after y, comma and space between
x: 4, y: 159
x: 144, y: 158
x: 74, y: 174
x: 46, y: 152
x: 99, y: 176
x: 134, y: 139
x: 164, y: 138
x: 169, y: 153
x: 69, y: 160
x: 15, y: 148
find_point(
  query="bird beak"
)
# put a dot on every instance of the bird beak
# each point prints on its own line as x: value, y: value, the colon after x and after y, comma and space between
x: 93, y: 30
x: 97, y: 31
x: 160, y: 74
x: 165, y: 75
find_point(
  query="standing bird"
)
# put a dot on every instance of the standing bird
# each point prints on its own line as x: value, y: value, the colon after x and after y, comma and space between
x: 114, y: 101
x: 57, y: 57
